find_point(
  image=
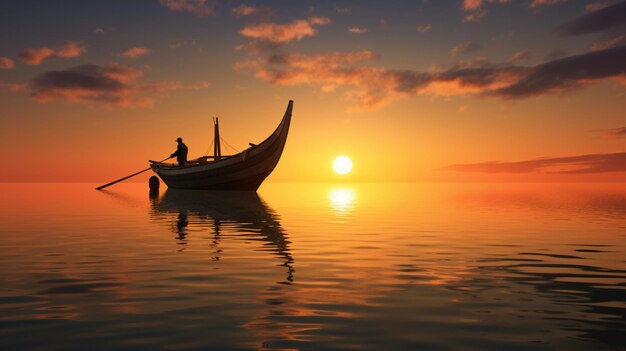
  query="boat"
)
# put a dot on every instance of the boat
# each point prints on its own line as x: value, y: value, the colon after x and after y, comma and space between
x: 244, y: 171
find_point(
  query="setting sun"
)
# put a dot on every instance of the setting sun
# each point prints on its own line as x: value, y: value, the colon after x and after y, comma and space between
x: 342, y: 165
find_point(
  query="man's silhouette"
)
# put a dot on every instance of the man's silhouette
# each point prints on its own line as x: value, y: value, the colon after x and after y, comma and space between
x: 181, y: 152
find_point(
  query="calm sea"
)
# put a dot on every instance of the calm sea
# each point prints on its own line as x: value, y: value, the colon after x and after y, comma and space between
x: 314, y: 267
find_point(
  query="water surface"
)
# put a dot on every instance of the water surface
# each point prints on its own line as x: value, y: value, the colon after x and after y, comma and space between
x: 314, y: 267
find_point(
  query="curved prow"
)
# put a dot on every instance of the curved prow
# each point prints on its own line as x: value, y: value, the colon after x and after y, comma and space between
x: 280, y: 133
x: 286, y: 121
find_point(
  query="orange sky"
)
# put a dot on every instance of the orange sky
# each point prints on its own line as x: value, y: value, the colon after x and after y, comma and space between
x: 411, y: 92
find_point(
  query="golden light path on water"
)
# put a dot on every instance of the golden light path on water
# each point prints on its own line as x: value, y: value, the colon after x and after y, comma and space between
x: 342, y: 200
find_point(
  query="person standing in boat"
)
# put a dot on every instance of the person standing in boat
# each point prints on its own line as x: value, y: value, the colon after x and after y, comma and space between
x: 181, y: 152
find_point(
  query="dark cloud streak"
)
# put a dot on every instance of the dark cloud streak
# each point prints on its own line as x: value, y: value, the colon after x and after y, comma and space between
x: 582, y: 164
x: 112, y: 85
x: 568, y: 73
x: 610, y: 17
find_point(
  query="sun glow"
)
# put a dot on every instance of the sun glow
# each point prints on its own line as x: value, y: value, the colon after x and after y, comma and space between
x: 342, y: 200
x: 342, y: 165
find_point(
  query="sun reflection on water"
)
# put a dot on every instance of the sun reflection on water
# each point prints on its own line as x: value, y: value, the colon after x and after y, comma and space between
x: 342, y: 200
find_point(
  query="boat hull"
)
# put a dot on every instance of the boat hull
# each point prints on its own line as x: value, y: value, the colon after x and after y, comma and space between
x: 244, y: 171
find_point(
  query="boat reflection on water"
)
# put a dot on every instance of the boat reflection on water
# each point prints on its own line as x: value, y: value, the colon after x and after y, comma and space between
x: 244, y: 213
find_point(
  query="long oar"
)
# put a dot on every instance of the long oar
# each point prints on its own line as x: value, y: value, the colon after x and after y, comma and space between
x: 130, y: 176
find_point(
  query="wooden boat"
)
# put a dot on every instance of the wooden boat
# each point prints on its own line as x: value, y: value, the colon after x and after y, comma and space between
x: 243, y: 171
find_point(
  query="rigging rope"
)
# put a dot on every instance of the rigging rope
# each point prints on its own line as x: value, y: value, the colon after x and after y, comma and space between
x: 209, y: 150
x: 227, y: 144
x: 206, y: 153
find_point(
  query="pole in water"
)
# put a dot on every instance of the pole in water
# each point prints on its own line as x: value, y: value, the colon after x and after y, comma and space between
x: 130, y: 176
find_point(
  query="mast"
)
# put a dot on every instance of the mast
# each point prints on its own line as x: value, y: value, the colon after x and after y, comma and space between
x: 217, y: 148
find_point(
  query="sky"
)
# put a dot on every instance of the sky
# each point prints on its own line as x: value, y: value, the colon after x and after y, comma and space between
x: 412, y: 91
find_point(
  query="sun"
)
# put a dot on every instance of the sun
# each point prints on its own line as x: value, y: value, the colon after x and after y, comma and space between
x: 342, y: 165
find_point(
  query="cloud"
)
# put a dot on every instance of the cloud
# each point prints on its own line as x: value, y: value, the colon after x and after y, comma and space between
x: 568, y: 73
x: 598, y: 5
x: 284, y: 33
x: 70, y: 49
x: 244, y: 10
x: 36, y: 56
x: 6, y: 63
x: 249, y: 11
x: 520, y: 56
x: 614, y: 132
x: 369, y: 85
x: 357, y: 30
x: 373, y: 87
x: 474, y: 9
x: 465, y: 47
x: 423, y: 28
x: 583, y: 164
x: 111, y: 85
x: 135, y: 52
x: 343, y: 10
x: 99, y: 30
x: 538, y: 3
x: 472, y: 4
x: 607, y: 18
x: 475, y: 15
x: 13, y: 87
x: 198, y: 7
x: 608, y: 43
x: 355, y: 75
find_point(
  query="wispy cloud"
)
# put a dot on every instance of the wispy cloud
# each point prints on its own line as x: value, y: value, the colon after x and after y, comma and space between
x: 598, y: 5
x: 423, y: 28
x: 462, y: 48
x: 539, y: 3
x: 284, y: 33
x: 520, y: 56
x: 111, y: 85
x: 6, y: 63
x: 13, y: 87
x: 582, y: 164
x: 135, y: 52
x: 198, y: 7
x: 374, y: 86
x: 357, y: 30
x: 614, y: 132
x: 608, y: 43
x: 70, y: 49
x: 475, y: 10
x: 36, y: 56
x: 243, y: 10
